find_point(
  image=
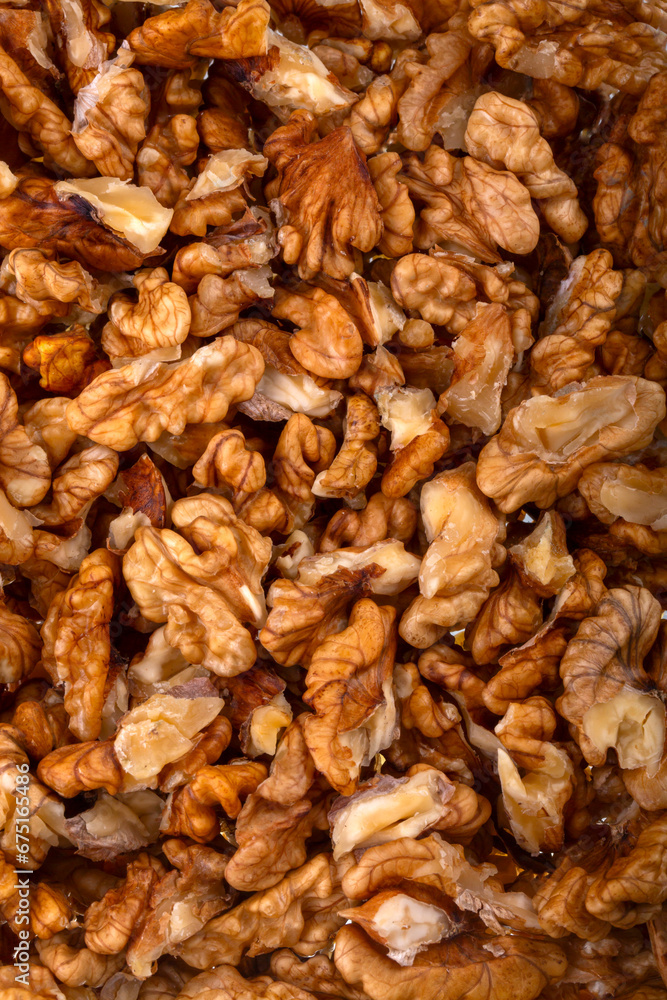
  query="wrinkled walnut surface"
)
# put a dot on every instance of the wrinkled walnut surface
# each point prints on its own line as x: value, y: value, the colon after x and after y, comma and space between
x: 333, y: 499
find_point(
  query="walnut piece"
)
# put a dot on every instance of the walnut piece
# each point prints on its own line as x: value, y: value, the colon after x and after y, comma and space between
x: 547, y: 441
x: 303, y: 198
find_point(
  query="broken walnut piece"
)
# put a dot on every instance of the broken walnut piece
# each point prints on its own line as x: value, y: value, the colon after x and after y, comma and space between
x: 458, y: 569
x: 355, y: 464
x: 327, y: 342
x: 418, y: 436
x: 202, y: 582
x: 542, y: 559
x: 482, y: 354
x: 534, y: 802
x: 546, y: 442
x: 522, y: 964
x: 141, y: 400
x: 504, y: 132
x: 110, y: 117
x: 178, y: 38
x: 609, y: 699
x: 154, y: 324
x: 303, y: 192
x: 349, y: 686
x: 303, y: 906
x: 471, y: 206
x: 577, y: 321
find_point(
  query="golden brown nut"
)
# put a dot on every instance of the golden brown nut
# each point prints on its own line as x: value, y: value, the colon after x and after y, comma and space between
x: 36, y: 277
x: 433, y: 287
x: 609, y: 699
x: 418, y: 437
x: 228, y: 461
x: 225, y: 979
x: 354, y: 466
x: 504, y: 132
x: 524, y: 669
x: 441, y: 868
x: 631, y: 498
x: 547, y: 441
x: 328, y: 343
x: 509, y: 617
x: 628, y: 200
x: 314, y: 973
x: 349, y: 686
x: 70, y: 770
x: 20, y: 646
x: 66, y: 362
x: 577, y: 321
x: 156, y: 323
x: 403, y: 924
x: 533, y: 803
x: 463, y: 966
x: 218, y: 301
x: 285, y: 387
x: 561, y: 904
x: 110, y: 117
x: 370, y: 304
x: 291, y: 77
x: 304, y: 904
x: 178, y: 38
x: 582, y: 591
x: 277, y: 820
x: 305, y: 611
x: 303, y: 450
x: 110, y: 921
x: 17, y: 540
x: 140, y: 401
x: 190, y: 811
x: 30, y: 111
x: 429, y: 104
x: 24, y: 470
x: 80, y: 42
x: 482, y: 355
x: 169, y: 148
x: 396, y: 209
x: 77, y: 648
x: 387, y: 808
x: 556, y: 107
x: 180, y: 903
x: 541, y: 559
x: 217, y: 193
x: 202, y: 582
x: 75, y: 965
x: 76, y: 484
x: 46, y: 425
x: 456, y: 284
x: 573, y: 47
x: 457, y: 572
x: 304, y: 191
x: 382, y: 517
x: 34, y: 216
x: 633, y: 889
x: 471, y: 206
x: 40, y: 817
x: 372, y: 116
x: 160, y: 730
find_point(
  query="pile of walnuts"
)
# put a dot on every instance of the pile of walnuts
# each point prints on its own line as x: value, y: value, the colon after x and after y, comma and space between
x: 333, y: 499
